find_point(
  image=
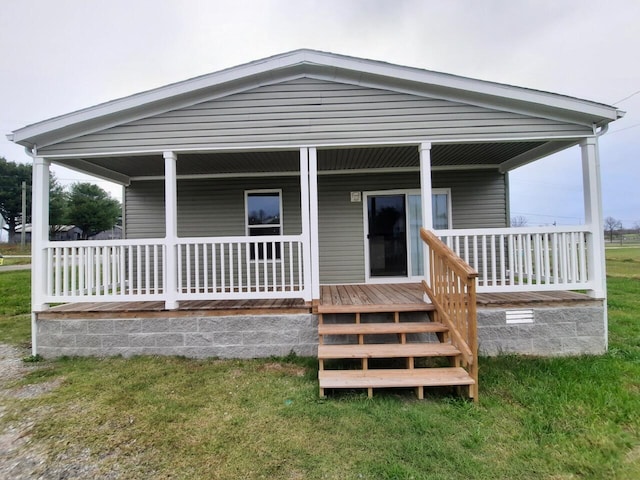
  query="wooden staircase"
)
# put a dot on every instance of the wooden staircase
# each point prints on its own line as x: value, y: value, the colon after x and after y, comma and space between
x: 365, y: 329
x: 378, y: 333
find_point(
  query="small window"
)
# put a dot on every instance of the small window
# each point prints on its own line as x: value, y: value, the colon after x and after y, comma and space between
x: 264, y: 217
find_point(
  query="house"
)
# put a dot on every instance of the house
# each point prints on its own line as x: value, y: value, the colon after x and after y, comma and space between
x: 294, y: 200
x: 59, y: 233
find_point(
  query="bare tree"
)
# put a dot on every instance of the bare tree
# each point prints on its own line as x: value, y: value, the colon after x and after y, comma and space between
x: 636, y: 226
x: 519, y: 221
x: 611, y: 225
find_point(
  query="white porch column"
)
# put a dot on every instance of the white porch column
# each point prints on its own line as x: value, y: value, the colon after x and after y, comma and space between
x: 171, y: 231
x: 313, y: 220
x: 593, y: 216
x: 425, y: 195
x: 306, y: 223
x: 39, y: 241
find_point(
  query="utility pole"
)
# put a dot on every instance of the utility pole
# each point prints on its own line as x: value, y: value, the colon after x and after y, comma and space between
x: 24, y: 215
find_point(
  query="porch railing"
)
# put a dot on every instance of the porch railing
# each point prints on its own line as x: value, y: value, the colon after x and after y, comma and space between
x: 232, y: 267
x: 524, y: 259
x: 452, y: 290
x: 111, y: 270
x: 206, y: 268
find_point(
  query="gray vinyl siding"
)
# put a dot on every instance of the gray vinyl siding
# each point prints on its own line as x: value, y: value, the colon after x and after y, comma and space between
x: 206, y: 207
x: 317, y: 112
x: 478, y: 201
x: 144, y: 210
x: 215, y: 207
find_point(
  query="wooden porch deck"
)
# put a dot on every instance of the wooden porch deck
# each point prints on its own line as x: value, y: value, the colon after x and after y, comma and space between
x: 333, y: 299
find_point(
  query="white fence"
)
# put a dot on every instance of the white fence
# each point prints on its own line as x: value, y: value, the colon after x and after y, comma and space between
x: 524, y: 259
x: 206, y: 268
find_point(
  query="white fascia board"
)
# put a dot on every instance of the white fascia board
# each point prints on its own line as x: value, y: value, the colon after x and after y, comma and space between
x: 464, y: 84
x: 330, y: 66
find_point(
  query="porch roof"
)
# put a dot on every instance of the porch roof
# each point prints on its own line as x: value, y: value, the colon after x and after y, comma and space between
x: 500, y: 155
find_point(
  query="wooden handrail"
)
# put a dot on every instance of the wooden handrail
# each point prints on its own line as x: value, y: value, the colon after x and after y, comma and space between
x: 457, y: 264
x: 452, y: 290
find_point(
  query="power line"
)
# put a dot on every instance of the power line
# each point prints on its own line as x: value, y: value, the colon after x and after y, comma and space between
x: 625, y: 128
x: 627, y: 97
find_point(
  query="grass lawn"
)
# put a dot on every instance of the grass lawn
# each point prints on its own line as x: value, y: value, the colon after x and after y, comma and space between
x: 149, y: 417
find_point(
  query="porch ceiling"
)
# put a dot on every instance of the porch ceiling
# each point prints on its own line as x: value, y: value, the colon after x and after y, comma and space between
x: 504, y: 155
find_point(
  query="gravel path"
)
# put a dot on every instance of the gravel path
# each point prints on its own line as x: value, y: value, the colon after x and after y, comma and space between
x: 21, y: 457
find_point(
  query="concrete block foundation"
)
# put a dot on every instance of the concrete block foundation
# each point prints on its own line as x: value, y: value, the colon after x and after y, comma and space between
x: 550, y: 331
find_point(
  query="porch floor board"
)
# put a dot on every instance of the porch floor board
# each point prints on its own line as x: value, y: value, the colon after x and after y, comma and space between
x: 407, y: 297
x: 188, y: 308
x: 401, y: 297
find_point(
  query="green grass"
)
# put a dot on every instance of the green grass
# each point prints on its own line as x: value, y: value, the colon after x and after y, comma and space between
x: 7, y: 249
x: 150, y: 417
x: 623, y: 262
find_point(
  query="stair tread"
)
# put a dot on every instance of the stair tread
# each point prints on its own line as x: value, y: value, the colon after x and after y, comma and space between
x: 415, y: 377
x: 380, y: 328
x: 387, y: 350
x: 376, y: 308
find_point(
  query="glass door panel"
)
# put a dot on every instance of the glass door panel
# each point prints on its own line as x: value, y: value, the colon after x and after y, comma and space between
x: 387, y: 235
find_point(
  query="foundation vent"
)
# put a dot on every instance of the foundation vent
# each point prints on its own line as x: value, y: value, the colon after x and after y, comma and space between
x: 519, y: 316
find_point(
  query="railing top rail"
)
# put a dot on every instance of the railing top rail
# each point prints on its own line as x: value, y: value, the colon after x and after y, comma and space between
x: 240, y: 239
x: 103, y: 243
x: 458, y: 264
x: 512, y: 230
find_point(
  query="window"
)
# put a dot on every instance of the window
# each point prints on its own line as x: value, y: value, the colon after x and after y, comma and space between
x: 440, y: 216
x: 264, y: 217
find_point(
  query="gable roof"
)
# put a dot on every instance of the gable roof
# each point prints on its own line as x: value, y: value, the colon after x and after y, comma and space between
x: 317, y: 65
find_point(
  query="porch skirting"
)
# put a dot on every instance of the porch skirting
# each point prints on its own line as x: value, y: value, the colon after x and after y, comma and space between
x: 549, y: 331
x: 233, y: 336
x: 563, y: 330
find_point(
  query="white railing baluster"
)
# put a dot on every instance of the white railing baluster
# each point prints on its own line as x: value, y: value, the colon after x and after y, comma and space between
x: 537, y: 246
x: 239, y: 266
x: 494, y: 269
x: 196, y: 261
x: 502, y: 261
x: 214, y: 268
x: 583, y: 257
x: 223, y: 273
x: 291, y: 279
x: 485, y: 266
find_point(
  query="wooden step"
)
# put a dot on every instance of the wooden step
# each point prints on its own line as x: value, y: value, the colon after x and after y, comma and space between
x: 376, y: 308
x: 380, y: 328
x: 416, y: 377
x: 387, y: 350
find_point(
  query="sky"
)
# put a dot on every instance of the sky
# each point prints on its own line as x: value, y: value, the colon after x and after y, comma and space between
x: 63, y: 55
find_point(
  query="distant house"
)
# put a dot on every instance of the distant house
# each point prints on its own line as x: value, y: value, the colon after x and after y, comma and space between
x: 291, y: 191
x: 114, y: 233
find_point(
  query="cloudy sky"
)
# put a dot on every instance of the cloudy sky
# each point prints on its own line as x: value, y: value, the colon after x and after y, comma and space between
x: 63, y: 55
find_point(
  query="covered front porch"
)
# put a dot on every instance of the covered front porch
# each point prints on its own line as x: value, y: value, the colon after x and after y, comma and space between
x: 321, y: 233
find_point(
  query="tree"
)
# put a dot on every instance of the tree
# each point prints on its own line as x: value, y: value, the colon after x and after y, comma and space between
x: 11, y: 177
x: 58, y: 204
x: 519, y: 221
x: 611, y: 225
x: 91, y: 209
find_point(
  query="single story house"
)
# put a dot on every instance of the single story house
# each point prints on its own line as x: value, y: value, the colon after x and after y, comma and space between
x: 290, y: 203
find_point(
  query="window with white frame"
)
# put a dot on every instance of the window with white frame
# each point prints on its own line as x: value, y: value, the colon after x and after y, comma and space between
x: 263, y: 217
